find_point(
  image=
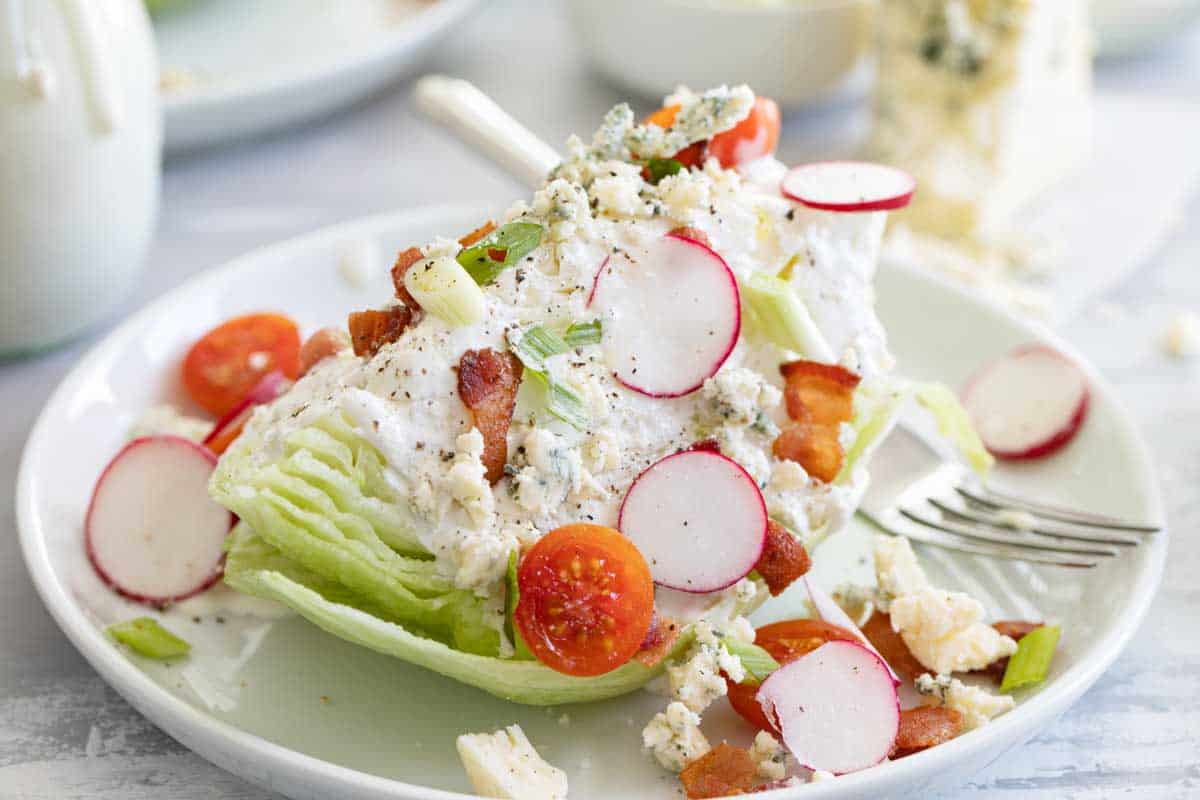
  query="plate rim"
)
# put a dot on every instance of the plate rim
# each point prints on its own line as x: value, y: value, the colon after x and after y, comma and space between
x: 256, y: 759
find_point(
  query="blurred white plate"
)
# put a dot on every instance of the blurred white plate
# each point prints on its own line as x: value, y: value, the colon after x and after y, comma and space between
x: 298, y: 711
x: 1127, y: 27
x: 238, y: 67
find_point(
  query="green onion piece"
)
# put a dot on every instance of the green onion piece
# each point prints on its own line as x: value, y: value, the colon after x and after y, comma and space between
x: 445, y: 289
x: 146, y: 637
x: 533, y: 347
x: 781, y: 317
x: 955, y: 424
x: 521, y: 650
x: 499, y: 250
x: 582, y: 333
x: 659, y: 168
x: 562, y: 401
x: 757, y: 662
x: 1031, y: 663
x: 537, y: 344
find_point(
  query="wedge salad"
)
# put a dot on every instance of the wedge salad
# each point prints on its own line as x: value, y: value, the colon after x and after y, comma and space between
x: 574, y: 451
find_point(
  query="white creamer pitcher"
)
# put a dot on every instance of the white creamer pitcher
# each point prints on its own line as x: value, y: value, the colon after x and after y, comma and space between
x: 80, y: 145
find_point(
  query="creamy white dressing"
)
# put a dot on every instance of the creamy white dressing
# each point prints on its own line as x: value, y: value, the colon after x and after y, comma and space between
x: 404, y: 400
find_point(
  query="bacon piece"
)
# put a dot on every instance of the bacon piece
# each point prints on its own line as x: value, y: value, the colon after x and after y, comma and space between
x: 817, y: 448
x: 924, y: 727
x: 477, y: 234
x: 891, y: 646
x: 725, y: 770
x: 820, y: 397
x: 783, y: 559
x: 320, y: 346
x: 661, y: 637
x: 694, y: 234
x: 403, y: 262
x: 372, y: 329
x: 820, y: 393
x: 487, y: 384
x: 1014, y: 629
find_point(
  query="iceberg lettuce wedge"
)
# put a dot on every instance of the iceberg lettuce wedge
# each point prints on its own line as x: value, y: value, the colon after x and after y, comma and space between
x: 257, y: 568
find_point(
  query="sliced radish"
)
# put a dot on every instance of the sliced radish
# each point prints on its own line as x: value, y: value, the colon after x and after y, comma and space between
x: 673, y: 316
x: 596, y: 280
x: 272, y: 385
x: 698, y: 518
x: 849, y: 186
x: 836, y: 707
x: 152, y: 532
x: 1028, y: 404
x: 828, y: 610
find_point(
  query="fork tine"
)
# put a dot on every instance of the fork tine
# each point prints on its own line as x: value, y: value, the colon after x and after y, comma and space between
x: 999, y: 500
x: 897, y: 525
x: 1012, y: 538
x: 982, y: 515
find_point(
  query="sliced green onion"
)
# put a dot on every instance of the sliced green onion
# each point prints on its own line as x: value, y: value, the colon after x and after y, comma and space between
x: 562, y: 401
x: 1031, y: 663
x: 536, y: 345
x: 521, y: 651
x: 781, y: 317
x: 659, y: 168
x: 954, y: 424
x: 757, y: 662
x: 583, y: 333
x: 146, y: 637
x: 533, y: 347
x: 445, y: 289
x: 499, y: 250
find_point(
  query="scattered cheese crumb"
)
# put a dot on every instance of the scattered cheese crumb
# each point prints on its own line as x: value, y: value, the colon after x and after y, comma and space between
x: 769, y: 757
x: 1182, y: 338
x: 505, y: 765
x: 977, y: 706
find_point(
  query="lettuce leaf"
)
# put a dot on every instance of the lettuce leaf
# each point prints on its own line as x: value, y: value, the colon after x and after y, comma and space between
x: 255, y: 567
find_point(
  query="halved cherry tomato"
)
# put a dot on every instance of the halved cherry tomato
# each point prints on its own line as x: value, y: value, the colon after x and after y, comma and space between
x: 586, y: 598
x: 229, y: 360
x: 754, y: 137
x: 785, y: 641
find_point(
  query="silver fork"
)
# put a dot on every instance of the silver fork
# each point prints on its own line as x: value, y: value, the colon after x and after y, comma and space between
x: 916, y: 493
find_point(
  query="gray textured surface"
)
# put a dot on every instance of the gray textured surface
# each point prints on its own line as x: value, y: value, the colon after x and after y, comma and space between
x: 64, y: 734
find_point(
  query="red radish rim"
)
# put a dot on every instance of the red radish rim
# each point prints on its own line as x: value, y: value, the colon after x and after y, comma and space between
x: 733, y: 339
x: 762, y: 504
x: 773, y: 718
x: 265, y: 391
x: 891, y: 203
x: 1067, y: 433
x: 596, y: 281
x: 159, y: 602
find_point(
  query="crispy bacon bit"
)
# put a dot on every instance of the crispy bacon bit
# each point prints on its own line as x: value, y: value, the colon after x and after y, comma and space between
x: 820, y: 393
x: 817, y: 448
x: 487, y: 384
x: 783, y: 559
x: 725, y: 770
x: 371, y: 330
x: 1014, y: 629
x: 895, y: 652
x: 403, y: 262
x: 924, y: 727
x: 661, y: 637
x: 820, y: 397
x: 477, y: 234
x: 695, y: 234
x: 320, y: 346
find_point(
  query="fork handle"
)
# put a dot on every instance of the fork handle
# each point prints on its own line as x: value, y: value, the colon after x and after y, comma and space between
x: 481, y: 123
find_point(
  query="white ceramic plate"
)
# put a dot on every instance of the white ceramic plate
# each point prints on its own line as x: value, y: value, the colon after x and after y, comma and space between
x: 248, y: 66
x: 296, y: 710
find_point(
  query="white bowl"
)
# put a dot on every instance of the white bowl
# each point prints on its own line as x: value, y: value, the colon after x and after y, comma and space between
x: 1128, y: 27
x: 798, y: 53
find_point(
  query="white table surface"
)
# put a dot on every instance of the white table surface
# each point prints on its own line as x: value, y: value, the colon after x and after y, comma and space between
x: 65, y: 734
